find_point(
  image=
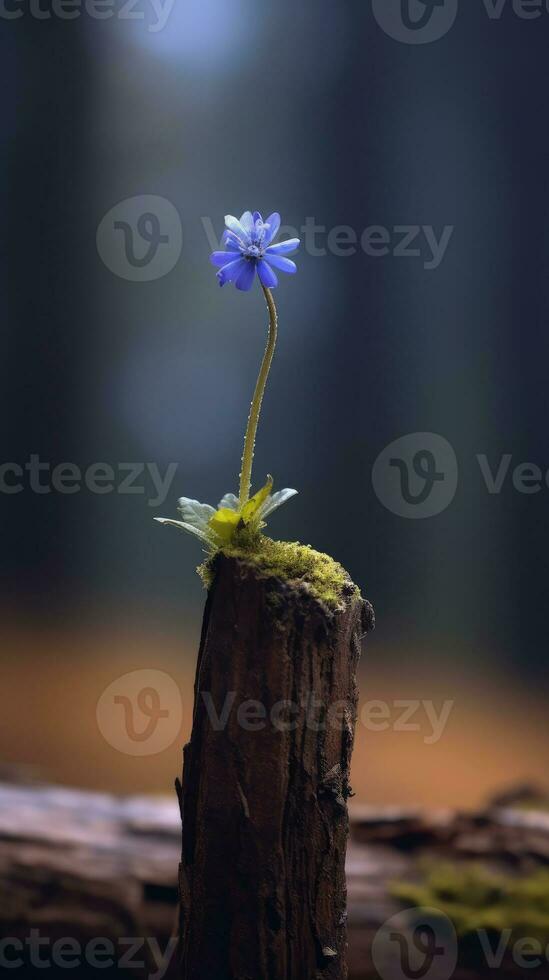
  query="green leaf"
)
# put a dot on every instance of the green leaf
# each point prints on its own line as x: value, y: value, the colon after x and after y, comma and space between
x: 183, y: 526
x: 195, y: 513
x: 250, y: 510
x: 230, y: 501
x: 275, y: 501
x: 224, y: 523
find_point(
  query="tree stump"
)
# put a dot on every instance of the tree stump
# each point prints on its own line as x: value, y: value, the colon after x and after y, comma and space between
x: 266, y: 781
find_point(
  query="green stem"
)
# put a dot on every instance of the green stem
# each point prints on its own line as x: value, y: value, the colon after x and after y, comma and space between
x: 253, y: 418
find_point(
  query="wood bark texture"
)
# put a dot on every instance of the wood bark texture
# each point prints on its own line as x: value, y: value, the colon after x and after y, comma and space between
x: 266, y: 782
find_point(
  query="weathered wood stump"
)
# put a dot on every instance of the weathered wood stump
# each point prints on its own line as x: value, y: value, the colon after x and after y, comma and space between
x: 266, y: 782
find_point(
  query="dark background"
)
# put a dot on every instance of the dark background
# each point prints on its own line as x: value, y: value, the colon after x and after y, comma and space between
x: 312, y: 110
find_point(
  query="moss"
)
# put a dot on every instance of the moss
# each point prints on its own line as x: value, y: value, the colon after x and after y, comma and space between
x: 533, y: 806
x: 291, y: 562
x: 474, y: 899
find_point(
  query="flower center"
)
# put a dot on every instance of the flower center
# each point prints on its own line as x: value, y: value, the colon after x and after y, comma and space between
x: 253, y: 252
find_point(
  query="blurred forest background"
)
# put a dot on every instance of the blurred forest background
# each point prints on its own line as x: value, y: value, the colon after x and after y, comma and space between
x: 313, y: 110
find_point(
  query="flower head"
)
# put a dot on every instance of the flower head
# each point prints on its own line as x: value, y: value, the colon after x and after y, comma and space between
x: 250, y: 250
x: 216, y: 528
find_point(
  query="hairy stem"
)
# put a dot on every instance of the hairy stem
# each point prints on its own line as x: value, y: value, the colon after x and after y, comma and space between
x: 253, y: 418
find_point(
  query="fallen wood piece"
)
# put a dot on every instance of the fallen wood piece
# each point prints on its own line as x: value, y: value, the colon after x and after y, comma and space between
x: 87, y: 865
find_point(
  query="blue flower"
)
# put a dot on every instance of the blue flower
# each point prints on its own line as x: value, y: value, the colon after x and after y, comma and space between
x: 249, y: 250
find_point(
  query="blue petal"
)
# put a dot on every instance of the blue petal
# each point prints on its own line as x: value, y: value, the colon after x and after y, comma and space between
x: 273, y: 221
x: 231, y: 271
x: 284, y: 248
x: 232, y: 241
x: 266, y: 275
x: 247, y: 222
x: 258, y: 234
x: 246, y: 277
x: 279, y: 262
x: 261, y: 232
x: 233, y: 224
x: 221, y: 258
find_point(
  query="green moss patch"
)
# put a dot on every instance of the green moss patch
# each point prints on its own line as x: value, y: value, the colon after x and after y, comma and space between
x: 291, y: 562
x: 474, y: 898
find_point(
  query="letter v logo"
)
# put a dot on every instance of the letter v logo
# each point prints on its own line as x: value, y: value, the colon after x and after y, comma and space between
x: 415, y: 21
